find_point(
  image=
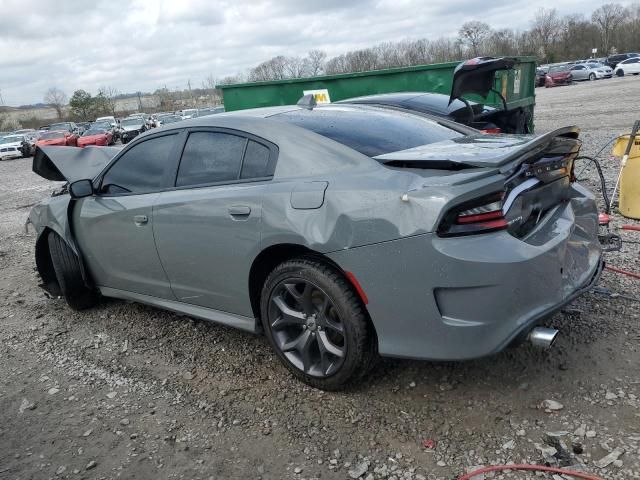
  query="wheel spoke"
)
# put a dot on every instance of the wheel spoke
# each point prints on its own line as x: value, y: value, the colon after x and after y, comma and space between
x: 333, y: 325
x: 288, y: 315
x: 297, y: 343
x: 327, y: 346
x: 302, y: 298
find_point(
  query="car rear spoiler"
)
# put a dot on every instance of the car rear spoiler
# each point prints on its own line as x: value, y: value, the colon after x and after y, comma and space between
x: 71, y: 163
x: 477, y: 76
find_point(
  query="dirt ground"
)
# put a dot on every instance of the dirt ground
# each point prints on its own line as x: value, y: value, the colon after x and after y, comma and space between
x: 129, y: 391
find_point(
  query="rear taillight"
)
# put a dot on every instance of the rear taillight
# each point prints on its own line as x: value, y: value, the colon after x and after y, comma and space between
x: 480, y: 216
x: 491, y: 130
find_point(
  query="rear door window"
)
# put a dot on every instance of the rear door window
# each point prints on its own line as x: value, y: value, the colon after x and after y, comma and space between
x: 218, y: 157
x: 256, y: 161
x: 211, y: 157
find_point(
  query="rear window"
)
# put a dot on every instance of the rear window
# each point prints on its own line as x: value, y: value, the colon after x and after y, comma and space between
x: 371, y: 132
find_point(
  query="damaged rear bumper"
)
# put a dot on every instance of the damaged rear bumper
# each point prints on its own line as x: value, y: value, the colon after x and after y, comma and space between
x: 468, y: 297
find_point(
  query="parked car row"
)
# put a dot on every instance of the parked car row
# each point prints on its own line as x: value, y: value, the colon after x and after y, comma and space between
x: 592, y: 69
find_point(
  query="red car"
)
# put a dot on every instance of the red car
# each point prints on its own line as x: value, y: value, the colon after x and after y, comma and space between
x: 60, y: 138
x: 558, y: 75
x: 95, y: 136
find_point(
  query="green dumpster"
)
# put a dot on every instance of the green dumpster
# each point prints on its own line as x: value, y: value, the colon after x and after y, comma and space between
x: 516, y: 85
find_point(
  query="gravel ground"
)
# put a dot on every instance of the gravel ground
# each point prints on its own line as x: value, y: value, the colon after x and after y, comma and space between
x: 129, y: 391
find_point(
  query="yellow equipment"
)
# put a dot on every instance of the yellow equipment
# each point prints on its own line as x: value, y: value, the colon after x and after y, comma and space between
x: 629, y: 178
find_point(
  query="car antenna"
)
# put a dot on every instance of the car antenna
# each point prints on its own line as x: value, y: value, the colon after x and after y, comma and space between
x: 307, y: 101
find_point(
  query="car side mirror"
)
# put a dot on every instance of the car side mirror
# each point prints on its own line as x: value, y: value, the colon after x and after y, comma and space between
x: 81, y: 188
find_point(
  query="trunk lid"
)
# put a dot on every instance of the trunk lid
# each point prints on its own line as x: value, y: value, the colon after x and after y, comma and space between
x: 476, y: 151
x: 477, y: 75
x: 532, y: 177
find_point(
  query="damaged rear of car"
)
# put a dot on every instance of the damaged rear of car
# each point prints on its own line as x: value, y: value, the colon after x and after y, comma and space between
x: 474, y: 77
x: 340, y: 232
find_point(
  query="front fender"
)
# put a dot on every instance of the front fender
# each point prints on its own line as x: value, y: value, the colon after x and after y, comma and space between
x: 54, y: 214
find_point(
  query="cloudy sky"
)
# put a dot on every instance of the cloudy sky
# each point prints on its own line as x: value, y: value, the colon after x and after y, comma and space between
x: 146, y: 44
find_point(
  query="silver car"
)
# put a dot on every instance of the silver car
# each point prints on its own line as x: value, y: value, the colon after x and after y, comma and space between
x: 341, y: 232
x: 590, y: 71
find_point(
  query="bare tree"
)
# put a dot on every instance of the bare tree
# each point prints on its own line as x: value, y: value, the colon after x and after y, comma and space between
x: 544, y: 30
x: 273, y: 69
x: 473, y: 34
x: 294, y: 67
x: 57, y: 99
x: 209, y: 86
x: 607, y: 18
x: 109, y: 95
x: 315, y: 62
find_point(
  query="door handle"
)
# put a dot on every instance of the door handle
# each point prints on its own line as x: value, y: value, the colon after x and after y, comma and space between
x: 239, y: 211
x: 140, y: 219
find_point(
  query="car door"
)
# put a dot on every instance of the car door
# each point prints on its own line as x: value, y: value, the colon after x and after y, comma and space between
x: 579, y: 72
x: 632, y: 65
x: 207, y: 230
x: 114, y: 228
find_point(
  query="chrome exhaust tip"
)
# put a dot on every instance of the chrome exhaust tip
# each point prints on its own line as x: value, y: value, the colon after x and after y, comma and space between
x: 543, y: 337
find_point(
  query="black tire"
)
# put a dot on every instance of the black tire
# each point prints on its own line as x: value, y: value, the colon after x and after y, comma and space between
x: 634, y: 74
x: 69, y: 276
x: 357, y: 341
x: 620, y: 72
x: 592, y: 77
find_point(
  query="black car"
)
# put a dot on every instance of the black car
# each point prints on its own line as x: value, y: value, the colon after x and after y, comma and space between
x: 613, y: 60
x: 541, y: 75
x: 131, y: 127
x: 476, y: 115
x: 472, y: 77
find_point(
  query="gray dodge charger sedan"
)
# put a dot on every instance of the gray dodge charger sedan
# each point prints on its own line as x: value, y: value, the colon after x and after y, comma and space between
x: 341, y: 232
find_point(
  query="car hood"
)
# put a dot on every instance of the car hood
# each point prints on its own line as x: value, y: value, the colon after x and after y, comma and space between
x: 475, y: 151
x: 11, y: 144
x: 477, y: 75
x: 71, y: 163
x: 131, y: 128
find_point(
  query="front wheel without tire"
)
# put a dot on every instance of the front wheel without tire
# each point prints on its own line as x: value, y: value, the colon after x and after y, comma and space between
x: 69, y: 275
x: 316, y: 324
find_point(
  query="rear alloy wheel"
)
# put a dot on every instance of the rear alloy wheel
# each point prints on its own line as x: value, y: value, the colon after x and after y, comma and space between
x: 316, y: 324
x: 592, y: 76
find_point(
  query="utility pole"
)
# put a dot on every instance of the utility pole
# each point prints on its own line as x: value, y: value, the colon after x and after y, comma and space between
x: 190, y: 93
x: 139, y: 103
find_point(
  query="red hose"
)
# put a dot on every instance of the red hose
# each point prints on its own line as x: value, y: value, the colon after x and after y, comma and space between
x: 538, y: 468
x: 624, y: 272
x: 635, y: 228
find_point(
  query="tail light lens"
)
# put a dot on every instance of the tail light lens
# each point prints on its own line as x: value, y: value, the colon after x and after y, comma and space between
x: 491, y: 130
x: 479, y: 216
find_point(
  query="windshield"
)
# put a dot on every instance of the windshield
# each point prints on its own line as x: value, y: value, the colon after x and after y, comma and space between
x: 594, y: 65
x: 60, y: 126
x: 170, y: 119
x: 371, y: 132
x: 559, y: 68
x: 12, y: 139
x: 51, y: 135
x: 93, y: 131
x: 129, y: 122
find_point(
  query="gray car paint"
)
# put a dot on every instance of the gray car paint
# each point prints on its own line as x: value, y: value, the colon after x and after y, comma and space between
x: 429, y: 297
